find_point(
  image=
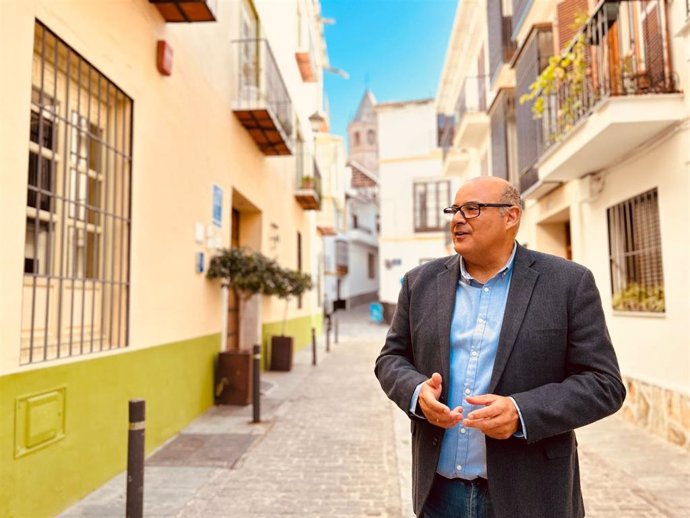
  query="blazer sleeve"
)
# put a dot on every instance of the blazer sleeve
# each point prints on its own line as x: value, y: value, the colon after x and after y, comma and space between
x: 395, y: 367
x: 592, y: 388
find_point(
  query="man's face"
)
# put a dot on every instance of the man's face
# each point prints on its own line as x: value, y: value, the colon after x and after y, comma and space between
x: 483, y: 235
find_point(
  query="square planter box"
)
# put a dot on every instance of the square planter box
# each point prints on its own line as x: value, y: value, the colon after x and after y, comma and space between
x: 281, y: 353
x: 233, y: 378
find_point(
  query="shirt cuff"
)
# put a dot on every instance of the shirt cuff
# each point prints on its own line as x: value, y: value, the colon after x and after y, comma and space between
x: 521, y: 434
x: 414, y: 400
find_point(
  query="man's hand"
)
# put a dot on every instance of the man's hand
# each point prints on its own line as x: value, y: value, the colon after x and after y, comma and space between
x: 499, y: 419
x: 437, y: 413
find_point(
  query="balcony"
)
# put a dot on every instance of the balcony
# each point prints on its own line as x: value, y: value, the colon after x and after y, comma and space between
x: 175, y: 11
x: 305, y: 60
x: 342, y: 257
x: 308, y: 186
x: 622, y: 94
x: 470, y: 113
x: 261, y: 103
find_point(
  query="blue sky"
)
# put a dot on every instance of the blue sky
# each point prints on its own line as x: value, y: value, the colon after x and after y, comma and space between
x: 395, y: 48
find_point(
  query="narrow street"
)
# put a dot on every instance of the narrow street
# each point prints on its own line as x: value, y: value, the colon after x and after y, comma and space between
x: 331, y: 445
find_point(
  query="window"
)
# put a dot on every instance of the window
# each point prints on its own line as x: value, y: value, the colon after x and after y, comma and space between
x: 372, y: 265
x: 76, y: 250
x: 430, y: 198
x: 371, y: 137
x: 356, y: 138
x: 637, y: 278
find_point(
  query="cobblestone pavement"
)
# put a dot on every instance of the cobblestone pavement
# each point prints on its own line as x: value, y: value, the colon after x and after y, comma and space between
x: 332, y: 445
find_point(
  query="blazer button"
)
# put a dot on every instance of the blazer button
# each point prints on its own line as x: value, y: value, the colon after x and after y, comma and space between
x: 435, y: 441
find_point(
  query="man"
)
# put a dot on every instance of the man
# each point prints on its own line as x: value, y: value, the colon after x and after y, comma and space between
x: 497, y: 354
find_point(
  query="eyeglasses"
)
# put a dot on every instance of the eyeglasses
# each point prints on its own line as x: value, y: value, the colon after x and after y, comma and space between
x: 472, y: 209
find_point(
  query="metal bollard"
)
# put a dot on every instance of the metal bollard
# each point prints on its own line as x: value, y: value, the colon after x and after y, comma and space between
x: 313, y: 346
x: 135, y: 458
x: 336, y: 329
x: 328, y: 336
x: 256, y: 392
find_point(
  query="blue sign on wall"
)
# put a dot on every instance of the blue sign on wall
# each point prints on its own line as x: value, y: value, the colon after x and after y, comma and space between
x: 200, y: 262
x: 217, y: 206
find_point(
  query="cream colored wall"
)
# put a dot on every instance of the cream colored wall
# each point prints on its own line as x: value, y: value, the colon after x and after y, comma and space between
x: 408, y: 152
x: 651, y: 348
x: 655, y: 349
x: 185, y: 140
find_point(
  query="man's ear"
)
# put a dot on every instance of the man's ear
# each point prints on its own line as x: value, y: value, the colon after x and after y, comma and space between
x: 513, y: 217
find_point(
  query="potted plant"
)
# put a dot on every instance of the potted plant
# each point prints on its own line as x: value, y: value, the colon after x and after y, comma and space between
x: 246, y: 272
x: 307, y: 182
x: 289, y: 283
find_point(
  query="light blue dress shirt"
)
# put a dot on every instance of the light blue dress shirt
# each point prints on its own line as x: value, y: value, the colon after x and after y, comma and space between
x: 474, y: 333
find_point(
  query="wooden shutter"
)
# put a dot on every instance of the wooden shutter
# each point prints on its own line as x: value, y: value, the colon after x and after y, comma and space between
x: 567, y: 11
x: 653, y: 45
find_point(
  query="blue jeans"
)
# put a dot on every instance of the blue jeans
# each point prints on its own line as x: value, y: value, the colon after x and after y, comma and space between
x: 457, y: 499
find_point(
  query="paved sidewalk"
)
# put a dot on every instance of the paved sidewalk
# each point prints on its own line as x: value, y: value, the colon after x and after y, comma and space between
x: 331, y: 445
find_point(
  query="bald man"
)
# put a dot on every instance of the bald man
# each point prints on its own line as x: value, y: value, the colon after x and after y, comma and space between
x: 497, y: 354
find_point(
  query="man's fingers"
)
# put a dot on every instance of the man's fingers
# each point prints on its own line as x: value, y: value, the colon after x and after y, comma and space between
x: 485, y: 399
x: 435, y: 381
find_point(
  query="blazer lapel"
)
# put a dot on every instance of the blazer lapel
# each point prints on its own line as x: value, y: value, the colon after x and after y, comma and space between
x: 521, y: 287
x: 446, y: 284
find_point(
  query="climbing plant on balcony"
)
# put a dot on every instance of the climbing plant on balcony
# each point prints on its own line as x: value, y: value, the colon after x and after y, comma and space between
x: 564, y: 79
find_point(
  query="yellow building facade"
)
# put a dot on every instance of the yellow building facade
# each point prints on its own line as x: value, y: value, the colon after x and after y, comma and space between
x: 133, y: 148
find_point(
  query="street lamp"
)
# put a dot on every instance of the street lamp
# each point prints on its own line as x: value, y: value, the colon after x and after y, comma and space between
x: 318, y: 121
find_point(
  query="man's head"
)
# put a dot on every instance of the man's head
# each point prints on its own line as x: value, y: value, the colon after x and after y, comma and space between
x: 484, y: 233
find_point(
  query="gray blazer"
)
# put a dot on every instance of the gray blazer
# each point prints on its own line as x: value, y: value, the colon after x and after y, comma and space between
x: 555, y: 358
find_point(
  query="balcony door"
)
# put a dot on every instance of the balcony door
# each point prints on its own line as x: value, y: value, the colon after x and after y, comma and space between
x: 249, y: 53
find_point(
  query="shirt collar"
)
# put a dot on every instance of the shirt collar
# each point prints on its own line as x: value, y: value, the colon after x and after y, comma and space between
x: 468, y: 279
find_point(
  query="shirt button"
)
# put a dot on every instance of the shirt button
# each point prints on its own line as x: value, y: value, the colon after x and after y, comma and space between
x: 467, y: 391
x: 486, y: 289
x: 474, y: 353
x: 480, y: 320
x: 459, y: 467
x: 463, y: 430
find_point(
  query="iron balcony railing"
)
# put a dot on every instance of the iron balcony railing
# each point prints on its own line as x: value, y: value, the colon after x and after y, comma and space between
x: 260, y: 84
x: 308, y: 181
x: 624, y: 50
x: 472, y: 97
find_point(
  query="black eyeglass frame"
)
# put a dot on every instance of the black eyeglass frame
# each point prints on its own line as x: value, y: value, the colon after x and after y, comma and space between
x: 453, y: 209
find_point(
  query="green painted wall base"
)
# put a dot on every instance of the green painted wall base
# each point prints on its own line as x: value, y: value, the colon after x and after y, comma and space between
x: 298, y: 328
x: 176, y: 380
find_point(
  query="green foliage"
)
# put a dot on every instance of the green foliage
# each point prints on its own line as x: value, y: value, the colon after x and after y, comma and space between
x: 246, y: 271
x: 640, y: 298
x: 564, y: 77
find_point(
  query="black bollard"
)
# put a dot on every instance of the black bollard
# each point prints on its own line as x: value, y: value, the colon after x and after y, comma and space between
x: 328, y: 335
x: 313, y: 346
x: 135, y: 458
x: 256, y: 392
x: 336, y: 330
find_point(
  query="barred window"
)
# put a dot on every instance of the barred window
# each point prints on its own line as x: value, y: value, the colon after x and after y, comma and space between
x: 637, y: 277
x: 430, y: 198
x: 76, y: 251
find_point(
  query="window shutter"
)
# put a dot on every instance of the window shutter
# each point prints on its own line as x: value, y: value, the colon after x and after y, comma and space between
x: 567, y: 11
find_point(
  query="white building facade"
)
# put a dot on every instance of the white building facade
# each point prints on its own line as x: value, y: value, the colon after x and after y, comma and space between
x: 413, y: 193
x: 600, y: 151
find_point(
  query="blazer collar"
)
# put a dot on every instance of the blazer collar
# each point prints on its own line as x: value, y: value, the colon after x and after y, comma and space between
x: 519, y: 295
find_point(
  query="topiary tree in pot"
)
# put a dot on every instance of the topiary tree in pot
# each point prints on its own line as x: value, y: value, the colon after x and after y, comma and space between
x: 290, y: 283
x: 248, y: 273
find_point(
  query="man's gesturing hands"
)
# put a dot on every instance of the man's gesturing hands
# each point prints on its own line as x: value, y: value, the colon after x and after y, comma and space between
x: 498, y: 419
x: 435, y: 412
